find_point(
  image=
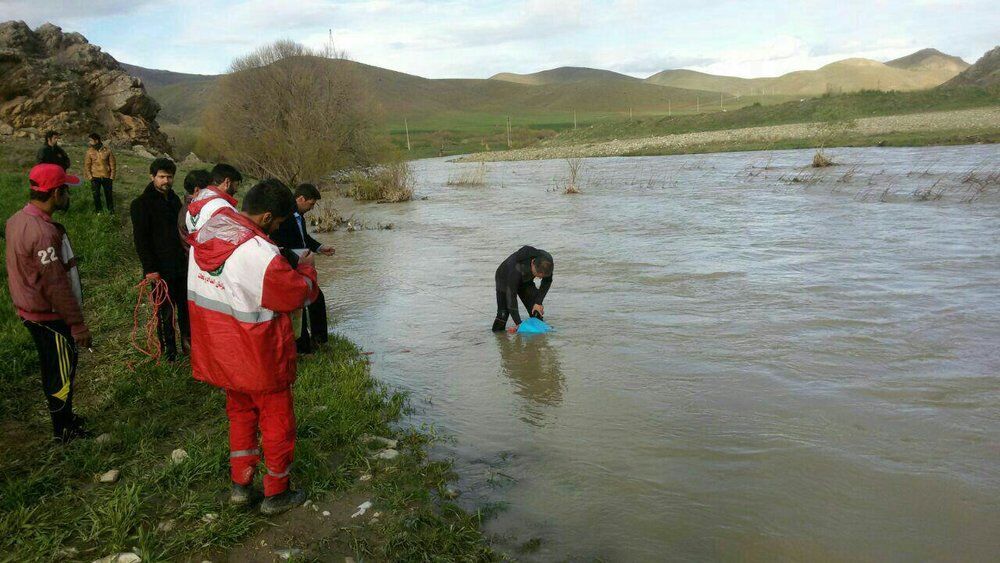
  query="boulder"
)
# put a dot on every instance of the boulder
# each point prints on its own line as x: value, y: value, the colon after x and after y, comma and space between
x: 56, y: 80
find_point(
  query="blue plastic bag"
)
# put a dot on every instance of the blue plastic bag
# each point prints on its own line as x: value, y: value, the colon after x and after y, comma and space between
x: 533, y: 326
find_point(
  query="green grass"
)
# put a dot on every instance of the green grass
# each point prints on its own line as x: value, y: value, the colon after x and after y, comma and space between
x: 819, y: 109
x: 49, y: 501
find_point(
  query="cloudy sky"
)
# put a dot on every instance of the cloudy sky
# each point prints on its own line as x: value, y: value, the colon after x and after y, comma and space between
x: 478, y: 38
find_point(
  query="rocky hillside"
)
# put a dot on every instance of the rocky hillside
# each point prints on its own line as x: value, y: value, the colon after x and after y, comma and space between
x: 985, y: 73
x: 56, y: 80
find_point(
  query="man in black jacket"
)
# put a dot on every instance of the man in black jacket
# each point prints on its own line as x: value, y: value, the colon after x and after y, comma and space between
x: 515, y: 278
x: 157, y: 242
x: 292, y: 235
x: 51, y: 152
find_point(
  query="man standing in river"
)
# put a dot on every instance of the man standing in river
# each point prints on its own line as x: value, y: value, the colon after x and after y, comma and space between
x: 515, y: 278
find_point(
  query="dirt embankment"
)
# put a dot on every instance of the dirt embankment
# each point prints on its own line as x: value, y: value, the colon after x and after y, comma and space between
x: 971, y: 121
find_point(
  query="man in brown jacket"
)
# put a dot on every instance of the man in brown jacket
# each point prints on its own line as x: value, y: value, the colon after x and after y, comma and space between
x: 99, y: 168
x: 45, y: 287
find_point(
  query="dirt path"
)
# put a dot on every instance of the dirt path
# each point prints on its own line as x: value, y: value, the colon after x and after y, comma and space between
x: 972, y: 120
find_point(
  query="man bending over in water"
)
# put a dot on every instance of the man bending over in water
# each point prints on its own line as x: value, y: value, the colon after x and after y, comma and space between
x: 516, y: 278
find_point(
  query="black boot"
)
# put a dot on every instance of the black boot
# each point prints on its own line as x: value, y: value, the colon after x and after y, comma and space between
x: 281, y: 502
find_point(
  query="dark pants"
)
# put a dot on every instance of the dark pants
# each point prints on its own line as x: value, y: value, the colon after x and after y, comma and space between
x: 57, y: 355
x: 177, y: 289
x: 526, y: 293
x: 98, y: 184
x: 314, y: 322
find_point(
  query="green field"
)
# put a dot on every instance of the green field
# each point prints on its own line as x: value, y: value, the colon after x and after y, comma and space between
x: 827, y: 108
x: 51, y: 509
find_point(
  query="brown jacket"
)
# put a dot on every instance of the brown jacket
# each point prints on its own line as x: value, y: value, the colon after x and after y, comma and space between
x: 41, y: 270
x: 99, y: 163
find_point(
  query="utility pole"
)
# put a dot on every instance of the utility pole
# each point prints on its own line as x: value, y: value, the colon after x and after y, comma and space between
x: 407, y: 127
x: 697, y: 104
x: 574, y: 120
x: 630, y: 113
x: 668, y: 108
x: 508, y: 131
x: 720, y: 100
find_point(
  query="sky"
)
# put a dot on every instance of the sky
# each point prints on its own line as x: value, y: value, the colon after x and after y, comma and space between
x: 476, y: 39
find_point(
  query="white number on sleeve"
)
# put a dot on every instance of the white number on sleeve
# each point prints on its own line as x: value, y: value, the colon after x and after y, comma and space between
x: 47, y: 256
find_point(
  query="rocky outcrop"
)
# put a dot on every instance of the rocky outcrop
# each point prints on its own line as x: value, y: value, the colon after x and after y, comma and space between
x: 56, y: 80
x: 985, y: 73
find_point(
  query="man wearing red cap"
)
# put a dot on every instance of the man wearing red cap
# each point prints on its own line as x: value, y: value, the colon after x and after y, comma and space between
x: 45, y: 286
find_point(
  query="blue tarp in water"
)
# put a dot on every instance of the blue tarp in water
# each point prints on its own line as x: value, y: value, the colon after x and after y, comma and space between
x: 533, y: 326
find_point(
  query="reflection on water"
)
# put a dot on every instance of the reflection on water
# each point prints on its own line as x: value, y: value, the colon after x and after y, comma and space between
x: 533, y: 368
x: 754, y: 359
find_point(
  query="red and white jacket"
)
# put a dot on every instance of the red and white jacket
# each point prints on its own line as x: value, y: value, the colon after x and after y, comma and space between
x: 240, y: 291
x: 209, y: 201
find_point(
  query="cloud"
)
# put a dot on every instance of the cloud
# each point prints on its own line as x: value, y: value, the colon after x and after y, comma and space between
x: 36, y: 12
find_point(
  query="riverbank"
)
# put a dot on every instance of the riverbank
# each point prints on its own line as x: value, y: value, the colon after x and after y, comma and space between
x: 967, y: 126
x: 53, y: 508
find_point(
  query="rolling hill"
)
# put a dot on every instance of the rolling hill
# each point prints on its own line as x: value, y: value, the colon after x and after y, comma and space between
x: 563, y: 75
x: 926, y: 68
x: 399, y: 94
x: 985, y: 73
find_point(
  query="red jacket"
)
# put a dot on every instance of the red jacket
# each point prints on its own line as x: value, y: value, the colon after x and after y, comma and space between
x: 41, y: 270
x: 240, y: 291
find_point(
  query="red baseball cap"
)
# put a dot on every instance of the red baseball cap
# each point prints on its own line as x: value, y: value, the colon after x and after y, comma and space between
x: 47, y: 177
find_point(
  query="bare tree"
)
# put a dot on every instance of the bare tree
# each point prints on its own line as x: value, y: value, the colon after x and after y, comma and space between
x: 292, y: 113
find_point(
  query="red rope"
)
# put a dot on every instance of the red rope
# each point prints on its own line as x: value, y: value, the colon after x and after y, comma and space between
x: 153, y: 295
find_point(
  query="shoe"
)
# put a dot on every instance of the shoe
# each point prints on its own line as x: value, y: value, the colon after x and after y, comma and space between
x: 241, y: 495
x: 276, y: 504
x: 499, y: 325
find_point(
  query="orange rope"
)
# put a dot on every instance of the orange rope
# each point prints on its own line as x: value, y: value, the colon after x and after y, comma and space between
x: 156, y: 294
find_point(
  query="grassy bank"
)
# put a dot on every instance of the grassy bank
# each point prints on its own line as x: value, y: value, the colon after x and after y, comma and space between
x: 52, y: 509
x: 828, y: 108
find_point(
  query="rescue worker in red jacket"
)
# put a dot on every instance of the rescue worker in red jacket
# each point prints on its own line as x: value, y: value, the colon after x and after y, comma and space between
x: 240, y: 293
x: 45, y: 286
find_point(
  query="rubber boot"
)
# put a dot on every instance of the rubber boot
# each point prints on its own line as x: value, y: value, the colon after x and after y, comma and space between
x: 281, y: 502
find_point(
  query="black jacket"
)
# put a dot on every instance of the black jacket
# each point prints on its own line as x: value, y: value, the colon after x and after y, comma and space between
x: 293, y: 235
x: 53, y: 155
x: 515, y: 272
x: 154, y: 228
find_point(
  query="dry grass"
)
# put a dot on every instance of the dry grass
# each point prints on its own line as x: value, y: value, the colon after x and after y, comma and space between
x: 820, y: 160
x: 572, y: 182
x: 388, y: 183
x: 470, y: 177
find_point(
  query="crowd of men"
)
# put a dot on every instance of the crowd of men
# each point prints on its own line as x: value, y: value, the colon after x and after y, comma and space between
x: 242, y: 289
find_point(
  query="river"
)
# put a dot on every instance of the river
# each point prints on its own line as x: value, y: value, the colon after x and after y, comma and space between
x: 753, y: 360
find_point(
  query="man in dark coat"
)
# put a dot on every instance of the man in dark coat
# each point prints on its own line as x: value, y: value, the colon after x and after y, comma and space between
x: 51, y: 152
x: 292, y: 235
x: 515, y: 278
x: 157, y: 242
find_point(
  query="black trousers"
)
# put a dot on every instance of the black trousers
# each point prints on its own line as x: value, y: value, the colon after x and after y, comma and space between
x: 313, y: 321
x: 526, y: 293
x: 57, y: 355
x: 177, y: 289
x: 105, y: 184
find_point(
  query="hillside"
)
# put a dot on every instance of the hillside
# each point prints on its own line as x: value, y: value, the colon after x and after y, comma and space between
x: 562, y: 75
x: 985, y: 73
x: 400, y: 94
x: 926, y: 68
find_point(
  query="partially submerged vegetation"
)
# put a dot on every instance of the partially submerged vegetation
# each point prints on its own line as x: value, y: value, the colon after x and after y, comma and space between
x: 388, y: 183
x: 51, y: 507
x: 475, y: 176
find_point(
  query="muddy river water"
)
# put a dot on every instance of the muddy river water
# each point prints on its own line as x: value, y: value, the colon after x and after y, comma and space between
x: 753, y: 360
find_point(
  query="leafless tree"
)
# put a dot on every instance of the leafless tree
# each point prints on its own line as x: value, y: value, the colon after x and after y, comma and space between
x: 293, y: 113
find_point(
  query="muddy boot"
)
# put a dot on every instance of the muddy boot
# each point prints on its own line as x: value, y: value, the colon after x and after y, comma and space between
x: 499, y: 324
x: 281, y: 502
x: 241, y: 495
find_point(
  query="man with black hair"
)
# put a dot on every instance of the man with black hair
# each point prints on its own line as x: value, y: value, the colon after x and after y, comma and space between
x: 242, y: 290
x: 99, y: 168
x: 293, y: 235
x: 194, y: 182
x: 157, y: 242
x: 51, y: 152
x: 225, y: 183
x: 45, y: 287
x: 515, y: 278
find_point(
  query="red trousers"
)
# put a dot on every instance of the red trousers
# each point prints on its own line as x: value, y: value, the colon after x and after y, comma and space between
x: 272, y: 413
